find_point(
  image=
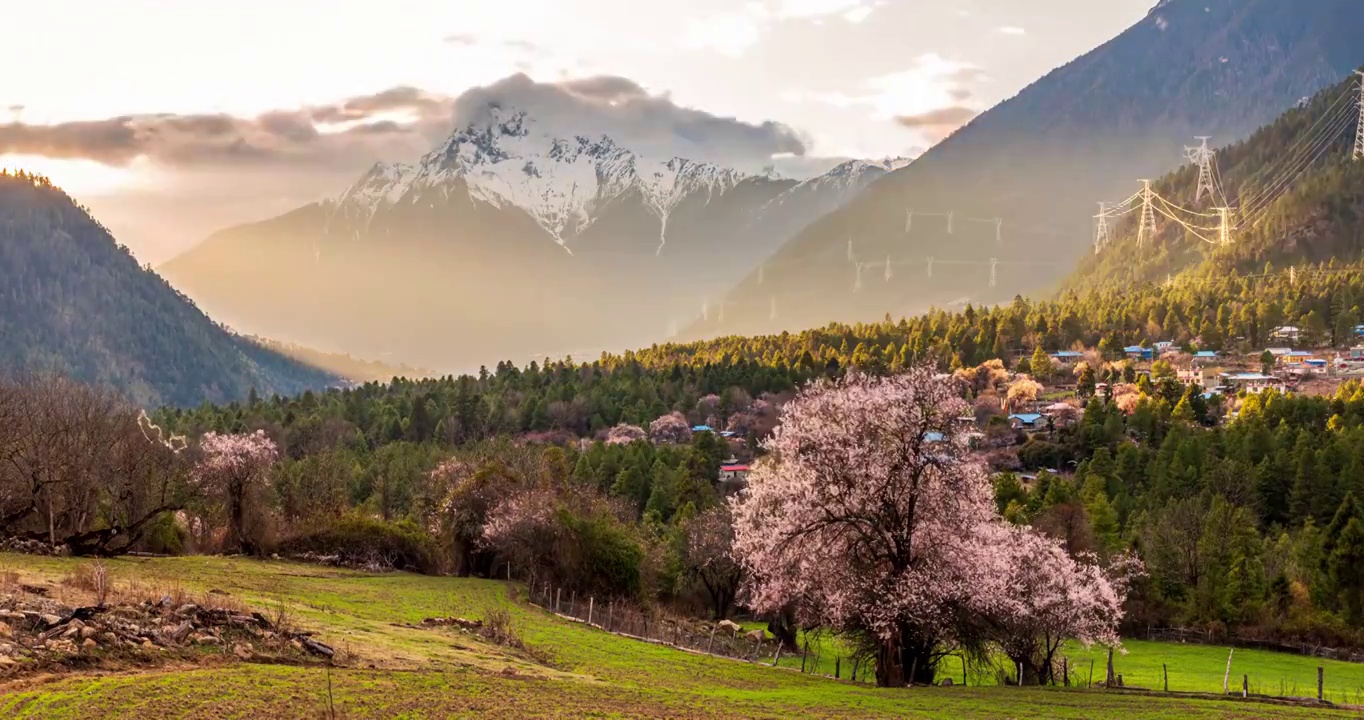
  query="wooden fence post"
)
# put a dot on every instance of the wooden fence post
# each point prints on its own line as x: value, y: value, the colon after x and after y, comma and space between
x: 776, y: 657
x: 838, y: 666
x: 1165, y: 671
x: 590, y: 602
x: 805, y: 656
x: 558, y: 595
x: 1245, y: 685
x: 1019, y: 667
x: 1108, y: 681
x: 1091, y: 673
x: 711, y: 641
x: 963, y: 670
x: 1065, y: 672
x: 573, y: 604
x: 1321, y: 682
x: 610, y: 614
x: 1227, y: 675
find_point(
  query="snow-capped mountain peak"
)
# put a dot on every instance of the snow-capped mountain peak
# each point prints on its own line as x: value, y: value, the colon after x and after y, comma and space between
x: 561, y: 179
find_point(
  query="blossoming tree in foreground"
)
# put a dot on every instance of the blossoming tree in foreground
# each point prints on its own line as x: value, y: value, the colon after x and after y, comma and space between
x: 232, y: 466
x: 871, y: 518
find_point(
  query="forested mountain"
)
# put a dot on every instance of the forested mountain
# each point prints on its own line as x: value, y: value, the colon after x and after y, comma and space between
x: 1040, y: 163
x: 521, y: 235
x: 1296, y: 196
x: 73, y: 301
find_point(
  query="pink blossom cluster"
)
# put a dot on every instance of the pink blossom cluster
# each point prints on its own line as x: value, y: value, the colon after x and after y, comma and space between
x: 624, y: 434
x: 236, y: 458
x: 671, y: 429
x: 869, y: 515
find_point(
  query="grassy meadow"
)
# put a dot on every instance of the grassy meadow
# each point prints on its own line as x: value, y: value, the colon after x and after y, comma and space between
x: 393, y: 670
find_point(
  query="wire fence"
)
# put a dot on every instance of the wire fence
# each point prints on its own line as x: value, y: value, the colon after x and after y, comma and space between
x: 1207, y: 637
x: 722, y: 639
x: 1274, y: 678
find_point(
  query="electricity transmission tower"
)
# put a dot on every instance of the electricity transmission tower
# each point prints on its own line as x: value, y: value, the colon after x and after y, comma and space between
x: 999, y: 231
x: 994, y: 275
x: 772, y: 312
x: 909, y: 220
x: 857, y: 284
x: 1202, y: 155
x: 1101, y: 233
x: 887, y: 268
x: 1359, y: 129
x: 930, y: 266
x: 1224, y: 227
x: 1148, y: 214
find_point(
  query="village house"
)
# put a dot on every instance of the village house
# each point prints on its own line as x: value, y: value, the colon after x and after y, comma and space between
x: 1067, y: 358
x: 1204, y: 357
x: 1251, y: 381
x: 734, y: 474
x: 1287, y: 333
x: 1203, y: 377
x: 1137, y: 352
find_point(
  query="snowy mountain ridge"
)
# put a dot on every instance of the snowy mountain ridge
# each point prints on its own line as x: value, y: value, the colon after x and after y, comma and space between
x: 561, y: 180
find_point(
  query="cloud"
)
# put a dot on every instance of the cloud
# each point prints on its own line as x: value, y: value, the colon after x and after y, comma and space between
x: 402, y: 123
x: 734, y: 32
x: 954, y: 116
x: 931, y: 82
x: 1011, y: 30
x: 937, y: 124
x: 295, y: 137
x: 731, y: 34
x: 651, y: 125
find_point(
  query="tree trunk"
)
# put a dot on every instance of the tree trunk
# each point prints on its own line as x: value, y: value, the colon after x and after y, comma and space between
x: 902, y: 655
x: 783, y: 628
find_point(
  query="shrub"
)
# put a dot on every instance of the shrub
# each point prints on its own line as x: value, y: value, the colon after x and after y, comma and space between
x: 364, y: 542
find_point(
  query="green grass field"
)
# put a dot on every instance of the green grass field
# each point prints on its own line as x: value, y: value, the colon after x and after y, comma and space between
x: 394, y: 671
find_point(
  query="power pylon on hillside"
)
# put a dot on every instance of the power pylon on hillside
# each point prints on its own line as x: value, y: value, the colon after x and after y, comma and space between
x: 1202, y: 156
x: 1359, y: 129
x: 1224, y: 227
x: 1101, y: 232
x: 1148, y: 214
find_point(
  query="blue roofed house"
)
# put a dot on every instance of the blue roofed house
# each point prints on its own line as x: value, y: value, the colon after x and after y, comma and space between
x: 701, y: 429
x: 1140, y: 353
x: 1206, y: 356
x: 1068, y: 357
x: 1025, y: 421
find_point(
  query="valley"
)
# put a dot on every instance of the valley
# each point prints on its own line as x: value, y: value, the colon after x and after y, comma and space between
x: 535, y: 392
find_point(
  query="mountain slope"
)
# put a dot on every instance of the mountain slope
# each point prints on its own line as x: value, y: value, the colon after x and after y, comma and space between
x: 1297, y: 197
x: 516, y: 237
x: 75, y: 302
x: 1042, y: 160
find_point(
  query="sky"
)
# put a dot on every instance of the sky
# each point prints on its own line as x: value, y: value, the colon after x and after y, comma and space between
x: 171, y: 119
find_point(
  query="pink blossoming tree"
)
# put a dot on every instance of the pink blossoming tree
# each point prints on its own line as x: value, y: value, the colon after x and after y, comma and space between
x: 671, y: 429
x: 871, y: 518
x: 1053, y: 598
x: 232, y: 466
x: 624, y: 434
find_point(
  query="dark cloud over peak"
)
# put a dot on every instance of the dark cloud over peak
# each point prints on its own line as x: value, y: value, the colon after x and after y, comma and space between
x: 651, y: 124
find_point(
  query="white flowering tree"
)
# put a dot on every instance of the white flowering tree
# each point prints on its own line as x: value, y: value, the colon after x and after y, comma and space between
x: 232, y: 467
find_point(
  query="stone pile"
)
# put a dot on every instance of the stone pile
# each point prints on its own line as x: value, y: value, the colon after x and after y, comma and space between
x: 34, y: 628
